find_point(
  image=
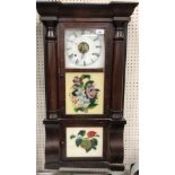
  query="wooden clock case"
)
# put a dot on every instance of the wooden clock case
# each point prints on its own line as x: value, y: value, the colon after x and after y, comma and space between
x: 112, y: 17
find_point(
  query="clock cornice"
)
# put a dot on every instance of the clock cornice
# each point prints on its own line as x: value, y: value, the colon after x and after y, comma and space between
x: 73, y: 10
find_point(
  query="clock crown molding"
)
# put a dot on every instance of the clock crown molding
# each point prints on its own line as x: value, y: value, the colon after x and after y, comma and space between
x: 49, y: 20
x: 71, y: 10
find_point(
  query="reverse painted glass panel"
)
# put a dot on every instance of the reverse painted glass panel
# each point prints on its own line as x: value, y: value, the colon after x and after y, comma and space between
x: 84, y: 142
x: 84, y: 93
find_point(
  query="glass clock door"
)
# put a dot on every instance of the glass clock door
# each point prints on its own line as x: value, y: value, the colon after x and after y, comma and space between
x: 84, y: 50
x: 84, y: 59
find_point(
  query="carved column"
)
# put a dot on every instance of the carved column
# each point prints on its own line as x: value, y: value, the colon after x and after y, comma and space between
x: 51, y: 80
x: 120, y: 24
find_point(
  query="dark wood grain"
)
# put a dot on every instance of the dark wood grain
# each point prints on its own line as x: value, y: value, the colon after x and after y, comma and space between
x: 116, y: 143
x: 86, y: 10
x: 52, y: 147
x: 51, y: 68
x: 118, y: 65
x: 84, y: 164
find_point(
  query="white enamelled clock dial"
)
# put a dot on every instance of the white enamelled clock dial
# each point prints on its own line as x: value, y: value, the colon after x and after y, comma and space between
x: 84, y: 48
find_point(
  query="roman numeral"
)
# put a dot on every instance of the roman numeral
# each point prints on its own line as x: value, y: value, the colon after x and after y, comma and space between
x: 95, y: 39
x: 75, y: 34
x: 70, y: 41
x: 82, y: 32
x: 96, y: 54
x: 71, y: 55
x: 92, y: 60
x: 77, y: 61
x: 98, y: 46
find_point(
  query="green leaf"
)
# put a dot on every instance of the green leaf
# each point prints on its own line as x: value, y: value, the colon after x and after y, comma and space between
x: 88, y: 149
x: 92, y: 100
x: 82, y: 132
x: 79, y: 109
x: 85, y: 76
x: 74, y: 92
x: 81, y: 85
x: 78, y: 141
x: 92, y: 105
x: 75, y: 109
x: 86, y: 144
x: 94, y: 147
x: 94, y: 142
x: 88, y: 82
x: 72, y: 136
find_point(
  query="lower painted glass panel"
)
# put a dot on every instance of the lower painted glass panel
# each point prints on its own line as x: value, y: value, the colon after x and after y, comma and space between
x: 84, y: 142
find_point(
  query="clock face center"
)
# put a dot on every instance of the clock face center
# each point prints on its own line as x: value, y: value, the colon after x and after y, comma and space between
x: 83, y: 47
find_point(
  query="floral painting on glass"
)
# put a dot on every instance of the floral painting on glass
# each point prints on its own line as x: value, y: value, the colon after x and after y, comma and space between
x: 84, y: 142
x: 84, y: 93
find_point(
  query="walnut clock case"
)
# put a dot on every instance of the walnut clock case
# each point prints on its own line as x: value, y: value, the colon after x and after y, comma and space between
x: 85, y: 54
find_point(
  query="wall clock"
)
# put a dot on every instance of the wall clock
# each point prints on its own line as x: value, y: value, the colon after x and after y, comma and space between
x: 85, y: 52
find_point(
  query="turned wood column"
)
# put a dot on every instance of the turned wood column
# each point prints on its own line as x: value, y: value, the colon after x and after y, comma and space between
x: 118, y: 69
x: 51, y: 73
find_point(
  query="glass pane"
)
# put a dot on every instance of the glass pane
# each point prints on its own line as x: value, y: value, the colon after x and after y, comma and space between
x: 84, y: 142
x: 84, y: 93
x: 84, y: 48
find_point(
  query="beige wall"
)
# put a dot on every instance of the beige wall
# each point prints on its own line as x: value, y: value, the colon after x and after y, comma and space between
x: 131, y: 134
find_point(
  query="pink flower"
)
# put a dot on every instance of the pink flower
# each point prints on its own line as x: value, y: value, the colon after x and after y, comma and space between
x: 91, y: 92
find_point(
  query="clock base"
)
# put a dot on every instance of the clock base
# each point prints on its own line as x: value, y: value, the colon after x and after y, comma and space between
x: 56, y: 144
x: 85, y: 164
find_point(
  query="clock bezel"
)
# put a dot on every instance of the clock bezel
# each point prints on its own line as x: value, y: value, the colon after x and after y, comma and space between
x: 100, y: 61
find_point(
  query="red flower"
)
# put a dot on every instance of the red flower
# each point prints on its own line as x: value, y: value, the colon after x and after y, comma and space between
x: 91, y: 134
